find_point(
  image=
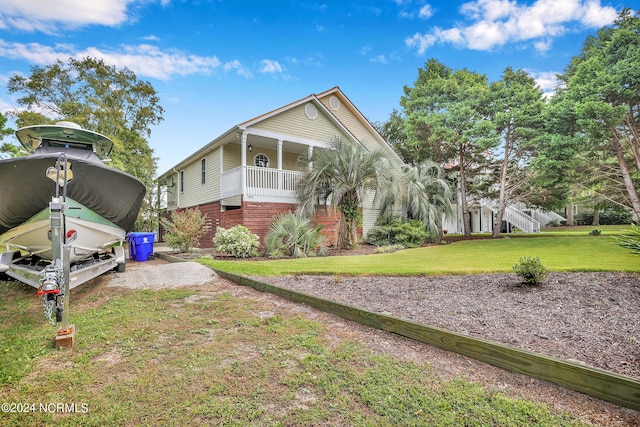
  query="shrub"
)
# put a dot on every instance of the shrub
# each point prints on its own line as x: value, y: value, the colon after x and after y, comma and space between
x: 631, y: 241
x: 293, y: 235
x: 594, y: 232
x: 530, y: 270
x: 408, y: 233
x: 388, y: 249
x: 609, y: 217
x: 184, y: 229
x: 236, y: 241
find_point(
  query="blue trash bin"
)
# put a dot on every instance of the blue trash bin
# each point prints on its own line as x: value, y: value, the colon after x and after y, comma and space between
x: 140, y: 246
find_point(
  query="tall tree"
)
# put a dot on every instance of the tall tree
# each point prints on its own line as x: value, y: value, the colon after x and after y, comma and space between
x: 393, y: 131
x: 517, y: 104
x: 98, y: 97
x: 6, y: 149
x: 447, y: 117
x: 601, y: 99
x: 341, y: 174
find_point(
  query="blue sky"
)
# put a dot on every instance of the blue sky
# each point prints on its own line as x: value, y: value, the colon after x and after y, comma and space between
x: 216, y: 63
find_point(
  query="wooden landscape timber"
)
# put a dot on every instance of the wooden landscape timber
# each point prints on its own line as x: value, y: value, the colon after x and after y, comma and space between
x: 619, y: 389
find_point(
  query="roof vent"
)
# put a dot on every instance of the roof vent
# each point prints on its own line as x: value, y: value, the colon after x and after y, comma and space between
x: 334, y: 102
x: 311, y: 111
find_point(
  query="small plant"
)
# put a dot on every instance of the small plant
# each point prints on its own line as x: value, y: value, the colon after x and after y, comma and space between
x: 293, y: 235
x: 184, y: 229
x: 237, y: 241
x: 595, y: 232
x: 388, y: 249
x: 631, y: 241
x: 530, y: 270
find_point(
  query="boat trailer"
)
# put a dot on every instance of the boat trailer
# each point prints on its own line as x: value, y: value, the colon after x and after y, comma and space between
x: 54, y: 279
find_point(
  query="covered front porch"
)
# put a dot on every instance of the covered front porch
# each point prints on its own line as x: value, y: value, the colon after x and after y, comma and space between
x: 260, y: 184
x: 257, y: 178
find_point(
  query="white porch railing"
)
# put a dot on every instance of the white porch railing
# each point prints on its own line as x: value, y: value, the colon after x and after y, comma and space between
x: 521, y: 220
x: 260, y: 183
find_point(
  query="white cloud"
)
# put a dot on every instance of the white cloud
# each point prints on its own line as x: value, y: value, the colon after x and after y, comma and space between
x: 270, y: 66
x: 380, y: 59
x: 426, y: 11
x: 145, y: 60
x: 237, y: 66
x: 47, y: 15
x: 411, y: 9
x: 494, y: 23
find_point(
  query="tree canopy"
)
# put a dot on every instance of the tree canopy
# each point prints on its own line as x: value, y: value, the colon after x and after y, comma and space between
x: 597, y: 111
x: 98, y: 97
x: 447, y: 121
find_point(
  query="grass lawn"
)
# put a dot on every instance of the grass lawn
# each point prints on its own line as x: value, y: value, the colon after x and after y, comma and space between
x: 202, y: 356
x: 558, y: 250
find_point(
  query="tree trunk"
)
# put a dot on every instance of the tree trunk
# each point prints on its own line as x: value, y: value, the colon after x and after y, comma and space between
x: 466, y: 217
x: 502, y: 200
x: 596, y: 217
x: 628, y: 182
x: 570, y: 221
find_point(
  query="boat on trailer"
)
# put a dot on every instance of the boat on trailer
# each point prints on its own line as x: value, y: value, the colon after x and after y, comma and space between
x: 65, y: 179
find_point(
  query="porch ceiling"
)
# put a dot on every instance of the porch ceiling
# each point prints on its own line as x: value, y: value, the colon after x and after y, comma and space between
x: 259, y: 141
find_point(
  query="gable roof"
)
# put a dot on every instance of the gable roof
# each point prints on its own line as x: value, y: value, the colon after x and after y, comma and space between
x: 316, y: 99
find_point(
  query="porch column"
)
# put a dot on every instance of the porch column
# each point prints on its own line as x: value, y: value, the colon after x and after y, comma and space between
x: 309, y: 154
x: 243, y: 149
x: 279, y: 164
x: 243, y: 161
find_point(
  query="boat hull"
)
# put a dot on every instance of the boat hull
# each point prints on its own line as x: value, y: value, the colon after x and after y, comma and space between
x: 93, y: 234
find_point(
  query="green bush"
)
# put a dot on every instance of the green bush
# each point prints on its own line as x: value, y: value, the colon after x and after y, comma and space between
x: 608, y: 217
x: 530, y: 270
x: 408, y: 233
x: 185, y: 229
x: 293, y: 235
x: 388, y: 249
x: 237, y: 241
x: 631, y: 241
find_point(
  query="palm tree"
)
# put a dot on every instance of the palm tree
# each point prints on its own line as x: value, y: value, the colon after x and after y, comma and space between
x: 423, y: 192
x: 341, y: 174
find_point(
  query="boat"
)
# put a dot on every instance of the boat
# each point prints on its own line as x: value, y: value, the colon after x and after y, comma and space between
x: 65, y: 168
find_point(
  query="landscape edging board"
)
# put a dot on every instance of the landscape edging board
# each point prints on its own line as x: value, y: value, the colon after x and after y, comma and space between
x: 619, y: 389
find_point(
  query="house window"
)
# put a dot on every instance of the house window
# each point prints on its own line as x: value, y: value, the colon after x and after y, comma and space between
x: 182, y: 181
x: 261, y: 161
x: 203, y: 167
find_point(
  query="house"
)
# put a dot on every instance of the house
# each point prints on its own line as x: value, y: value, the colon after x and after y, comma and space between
x: 249, y: 174
x: 516, y: 216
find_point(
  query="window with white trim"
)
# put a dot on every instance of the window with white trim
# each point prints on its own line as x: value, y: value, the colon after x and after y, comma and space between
x: 203, y: 167
x: 261, y: 161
